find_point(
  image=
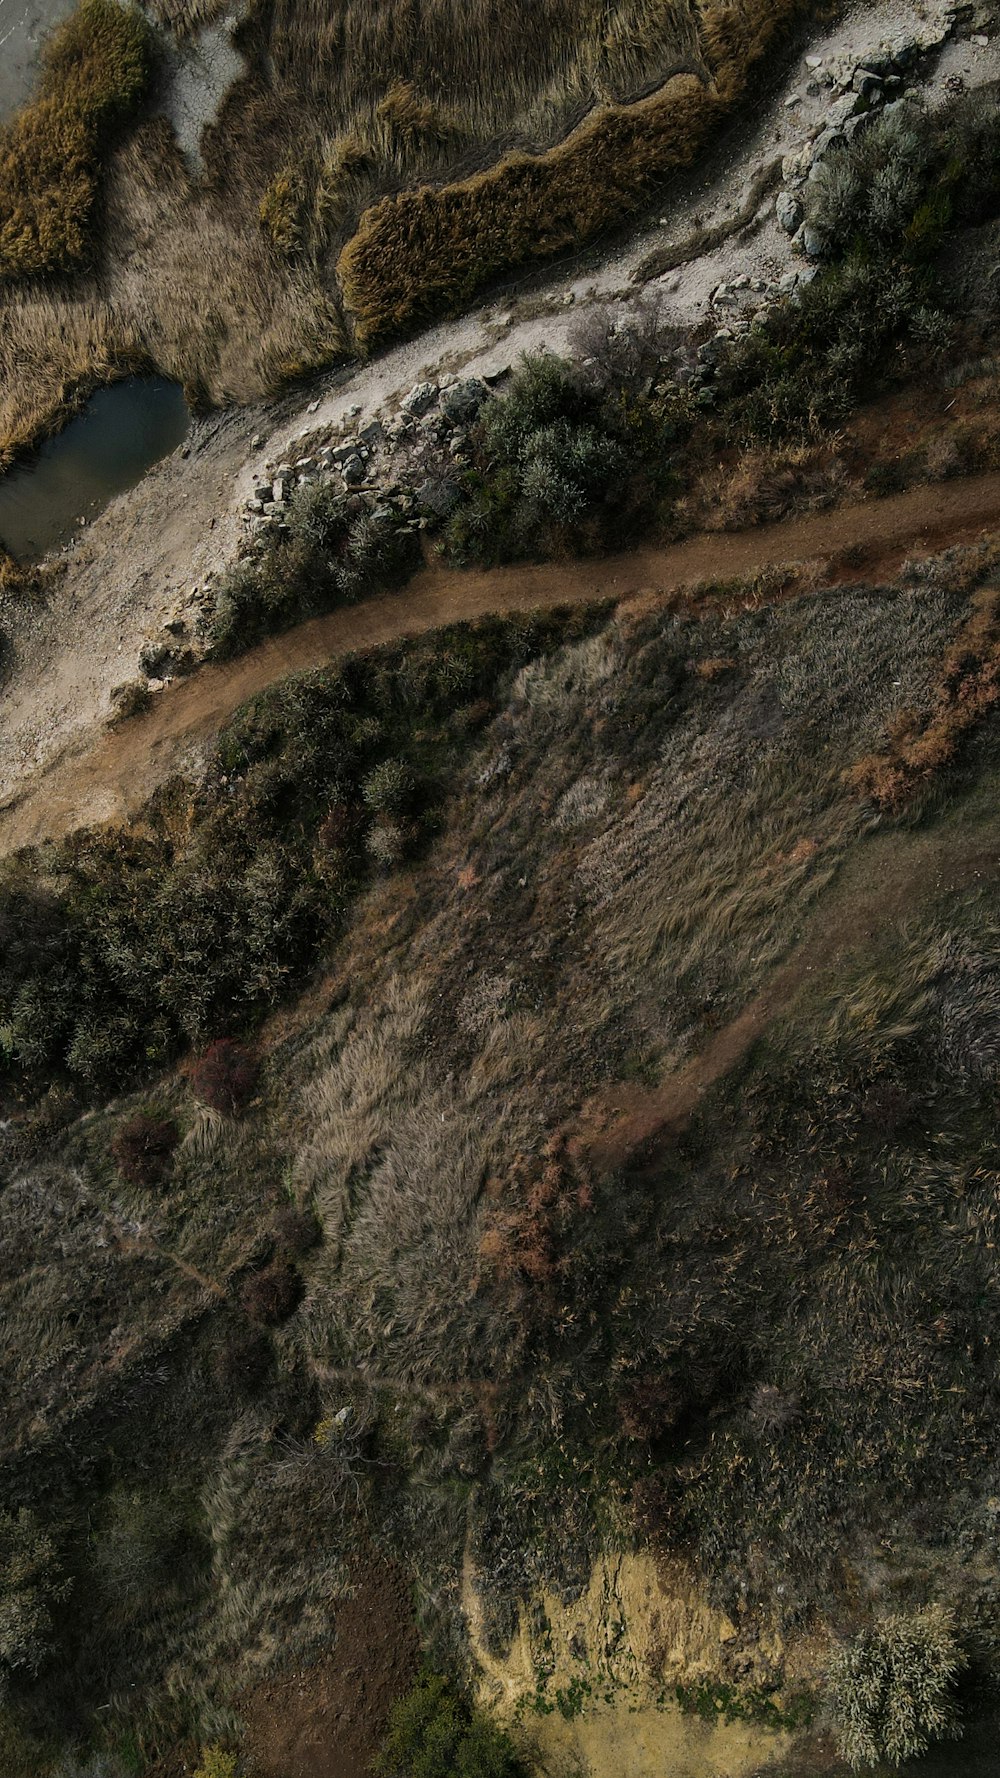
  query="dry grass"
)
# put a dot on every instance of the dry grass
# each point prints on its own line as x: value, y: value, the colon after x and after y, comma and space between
x: 340, y: 109
x: 95, y: 70
x: 422, y: 250
x: 922, y: 743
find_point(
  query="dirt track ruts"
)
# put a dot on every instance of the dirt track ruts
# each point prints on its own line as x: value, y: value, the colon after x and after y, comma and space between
x: 109, y: 778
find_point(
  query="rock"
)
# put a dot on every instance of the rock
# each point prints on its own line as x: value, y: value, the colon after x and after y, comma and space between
x: 788, y: 211
x: 787, y: 282
x: 421, y: 397
x: 353, y: 471
x: 438, y: 496
x: 373, y: 433
x: 827, y: 139
x: 175, y: 625
x: 814, y: 61
x: 354, y: 409
x: 280, y: 489
x: 979, y: 41
x: 463, y: 402
x: 313, y: 408
x: 813, y: 242
x: 258, y: 442
x: 257, y: 506
x: 867, y: 84
x: 305, y: 465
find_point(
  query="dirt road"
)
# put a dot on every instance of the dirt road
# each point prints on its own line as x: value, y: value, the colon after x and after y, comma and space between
x: 109, y: 778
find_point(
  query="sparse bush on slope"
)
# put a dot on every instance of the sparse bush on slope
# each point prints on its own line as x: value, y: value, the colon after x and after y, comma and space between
x: 32, y: 1586
x: 892, y: 1686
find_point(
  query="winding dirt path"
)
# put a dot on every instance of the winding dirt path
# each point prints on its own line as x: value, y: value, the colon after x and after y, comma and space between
x: 109, y: 778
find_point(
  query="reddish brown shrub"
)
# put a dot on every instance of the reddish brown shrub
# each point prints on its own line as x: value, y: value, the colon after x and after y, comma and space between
x: 142, y: 1147
x: 272, y: 1295
x: 649, y: 1407
x: 225, y: 1077
x: 296, y: 1230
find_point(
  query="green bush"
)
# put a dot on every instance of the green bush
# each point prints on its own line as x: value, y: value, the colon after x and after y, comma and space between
x: 810, y: 362
x: 433, y: 1733
x: 891, y: 1687
x: 908, y: 177
x: 333, y: 552
x: 559, y: 465
x: 123, y: 945
x: 389, y: 788
x: 32, y: 1584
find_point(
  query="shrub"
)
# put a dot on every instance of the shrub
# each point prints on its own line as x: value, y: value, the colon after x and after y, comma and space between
x: 271, y: 1295
x: 32, y: 1584
x: 216, y: 1763
x: 389, y: 788
x: 556, y: 464
x: 433, y: 1733
x: 891, y: 1687
x: 225, y: 1077
x: 142, y: 1147
x: 296, y: 1229
x: 95, y: 70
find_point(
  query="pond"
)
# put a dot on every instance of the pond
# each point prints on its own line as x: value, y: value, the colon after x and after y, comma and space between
x: 120, y: 434
x: 23, y: 24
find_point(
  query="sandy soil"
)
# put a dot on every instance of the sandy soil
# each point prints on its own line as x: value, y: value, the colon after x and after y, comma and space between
x: 120, y: 580
x: 108, y: 778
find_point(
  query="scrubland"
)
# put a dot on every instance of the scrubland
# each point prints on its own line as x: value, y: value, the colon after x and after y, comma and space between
x: 528, y: 1100
x: 528, y: 875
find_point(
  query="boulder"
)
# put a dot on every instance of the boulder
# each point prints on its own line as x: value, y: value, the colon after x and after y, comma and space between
x: 788, y: 211
x: 421, y: 397
x: 353, y: 471
x: 464, y: 400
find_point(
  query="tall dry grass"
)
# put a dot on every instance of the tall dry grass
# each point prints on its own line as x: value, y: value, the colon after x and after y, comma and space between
x: 419, y: 251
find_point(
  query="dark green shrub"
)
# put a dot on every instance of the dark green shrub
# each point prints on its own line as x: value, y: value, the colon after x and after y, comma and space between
x: 32, y: 1585
x: 333, y: 552
x: 558, y: 465
x: 811, y: 361
x: 433, y: 1733
x: 389, y: 788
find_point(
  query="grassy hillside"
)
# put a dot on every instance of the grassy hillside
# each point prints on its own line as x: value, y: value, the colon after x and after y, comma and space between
x: 435, y: 1267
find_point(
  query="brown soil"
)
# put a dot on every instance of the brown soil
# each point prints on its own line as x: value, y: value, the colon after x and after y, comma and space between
x: 328, y: 1721
x: 893, y: 874
x: 110, y: 778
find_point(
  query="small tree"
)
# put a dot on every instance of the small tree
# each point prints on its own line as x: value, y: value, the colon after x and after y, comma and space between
x: 891, y: 1687
x: 434, y: 1734
x: 216, y: 1763
x: 31, y: 1585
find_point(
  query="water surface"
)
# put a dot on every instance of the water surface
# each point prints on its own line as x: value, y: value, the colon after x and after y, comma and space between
x: 120, y: 434
x: 23, y: 25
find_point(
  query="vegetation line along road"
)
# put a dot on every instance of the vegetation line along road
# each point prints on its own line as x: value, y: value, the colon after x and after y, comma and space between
x: 111, y: 778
